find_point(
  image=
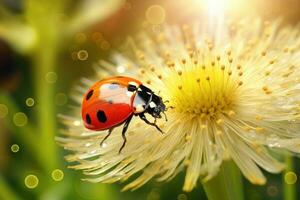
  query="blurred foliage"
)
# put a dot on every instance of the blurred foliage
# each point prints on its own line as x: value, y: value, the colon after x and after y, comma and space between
x: 45, y: 47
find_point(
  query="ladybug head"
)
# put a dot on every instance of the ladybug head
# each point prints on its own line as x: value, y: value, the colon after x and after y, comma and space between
x: 156, y: 106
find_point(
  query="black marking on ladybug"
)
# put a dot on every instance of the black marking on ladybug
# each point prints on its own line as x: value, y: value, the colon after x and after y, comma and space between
x: 88, y: 119
x: 101, y: 116
x: 131, y: 88
x: 89, y: 95
x: 113, y: 86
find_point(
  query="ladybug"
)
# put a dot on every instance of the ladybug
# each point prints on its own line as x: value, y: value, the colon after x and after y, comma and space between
x: 114, y: 101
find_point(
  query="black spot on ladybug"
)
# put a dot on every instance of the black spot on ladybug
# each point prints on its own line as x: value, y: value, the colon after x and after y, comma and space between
x: 113, y: 86
x: 89, y: 95
x: 131, y: 88
x: 88, y: 119
x: 101, y: 116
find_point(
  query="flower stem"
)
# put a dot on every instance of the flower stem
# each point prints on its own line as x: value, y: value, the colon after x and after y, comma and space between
x: 289, y: 190
x: 45, y: 56
x: 44, y: 63
x: 227, y: 185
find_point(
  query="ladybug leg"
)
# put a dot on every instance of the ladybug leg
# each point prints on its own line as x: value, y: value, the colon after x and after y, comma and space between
x: 143, y: 117
x: 109, y: 132
x: 125, y: 127
x: 165, y: 116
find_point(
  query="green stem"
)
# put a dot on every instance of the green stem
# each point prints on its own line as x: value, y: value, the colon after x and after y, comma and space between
x: 45, y: 59
x: 227, y: 185
x: 289, y: 190
x: 44, y: 63
x: 6, y: 192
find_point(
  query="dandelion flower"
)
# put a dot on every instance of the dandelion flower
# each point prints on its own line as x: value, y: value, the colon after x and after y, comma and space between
x: 235, y: 97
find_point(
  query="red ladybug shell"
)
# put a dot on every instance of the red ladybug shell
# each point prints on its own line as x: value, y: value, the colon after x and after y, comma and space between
x: 108, y: 103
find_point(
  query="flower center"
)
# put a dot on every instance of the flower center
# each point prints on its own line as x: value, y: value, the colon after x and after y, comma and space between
x: 205, y: 91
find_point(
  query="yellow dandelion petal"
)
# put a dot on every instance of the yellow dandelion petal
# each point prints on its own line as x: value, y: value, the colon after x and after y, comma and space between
x: 233, y: 97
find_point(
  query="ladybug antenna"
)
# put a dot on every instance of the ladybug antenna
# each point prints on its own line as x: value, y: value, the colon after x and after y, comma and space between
x: 172, y: 107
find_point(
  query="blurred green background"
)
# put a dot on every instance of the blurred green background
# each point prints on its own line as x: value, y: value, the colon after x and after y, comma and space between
x: 46, y: 46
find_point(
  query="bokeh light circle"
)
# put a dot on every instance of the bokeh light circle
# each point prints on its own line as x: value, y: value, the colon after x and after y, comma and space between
x: 20, y: 119
x: 74, y: 55
x: 104, y: 45
x: 290, y: 178
x: 182, y: 197
x: 31, y: 181
x: 30, y: 102
x: 61, y: 99
x: 82, y: 55
x: 57, y: 175
x: 272, y: 190
x: 51, y: 77
x: 3, y: 110
x: 96, y: 36
x: 155, y: 14
x: 15, y: 148
x: 153, y: 195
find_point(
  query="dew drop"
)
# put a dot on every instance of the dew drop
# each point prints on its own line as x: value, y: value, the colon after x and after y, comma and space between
x: 92, y: 152
x: 104, y: 145
x: 88, y: 144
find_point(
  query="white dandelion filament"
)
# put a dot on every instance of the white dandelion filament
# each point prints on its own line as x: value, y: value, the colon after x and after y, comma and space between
x: 237, y: 99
